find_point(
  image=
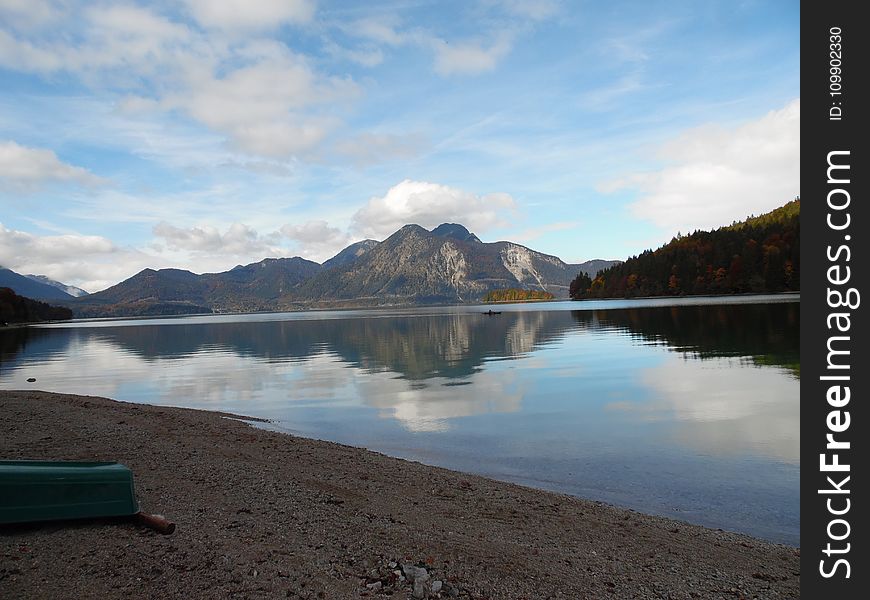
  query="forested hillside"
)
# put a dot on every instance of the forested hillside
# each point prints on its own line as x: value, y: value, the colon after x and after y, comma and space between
x: 758, y: 255
x: 18, y: 309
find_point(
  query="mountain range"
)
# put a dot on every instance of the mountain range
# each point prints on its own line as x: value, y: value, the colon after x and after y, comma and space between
x: 448, y: 264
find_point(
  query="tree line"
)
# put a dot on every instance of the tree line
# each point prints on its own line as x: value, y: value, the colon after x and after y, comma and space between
x: 758, y: 255
x: 516, y: 295
x: 18, y: 309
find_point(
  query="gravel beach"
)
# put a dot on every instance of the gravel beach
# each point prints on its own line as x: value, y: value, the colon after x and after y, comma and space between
x: 261, y: 514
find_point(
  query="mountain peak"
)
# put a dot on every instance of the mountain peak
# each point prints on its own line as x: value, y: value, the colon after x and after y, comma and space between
x: 455, y: 231
x: 350, y: 254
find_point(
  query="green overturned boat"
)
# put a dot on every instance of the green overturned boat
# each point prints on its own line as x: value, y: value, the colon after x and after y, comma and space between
x: 49, y: 491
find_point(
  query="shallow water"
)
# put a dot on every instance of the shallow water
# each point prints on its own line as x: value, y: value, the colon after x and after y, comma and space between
x: 688, y: 408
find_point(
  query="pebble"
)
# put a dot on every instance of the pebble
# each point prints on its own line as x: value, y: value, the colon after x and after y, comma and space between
x: 436, y: 586
x: 415, y: 574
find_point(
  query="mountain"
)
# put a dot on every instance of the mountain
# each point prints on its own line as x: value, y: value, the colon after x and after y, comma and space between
x: 592, y: 267
x: 350, y: 254
x: 447, y: 264
x: 265, y: 281
x: 758, y: 255
x: 173, y: 291
x: 30, y: 288
x: 69, y: 289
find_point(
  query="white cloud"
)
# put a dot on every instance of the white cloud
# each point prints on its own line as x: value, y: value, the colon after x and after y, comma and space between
x: 265, y: 99
x: 716, y: 175
x: 238, y: 240
x: 383, y: 30
x: 250, y: 14
x: 316, y: 240
x: 429, y: 205
x: 263, y: 108
x: 469, y: 58
x: 311, y: 232
x: 460, y: 57
x: 128, y: 41
x: 29, y: 14
x: 27, y: 168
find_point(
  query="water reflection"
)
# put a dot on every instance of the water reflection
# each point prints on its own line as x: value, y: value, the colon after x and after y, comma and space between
x: 689, y: 411
x: 767, y: 334
x: 416, y: 348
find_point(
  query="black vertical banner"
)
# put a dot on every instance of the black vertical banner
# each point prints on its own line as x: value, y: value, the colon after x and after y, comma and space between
x: 835, y: 301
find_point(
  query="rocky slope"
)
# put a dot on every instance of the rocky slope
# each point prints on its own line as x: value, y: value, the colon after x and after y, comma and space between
x: 447, y: 264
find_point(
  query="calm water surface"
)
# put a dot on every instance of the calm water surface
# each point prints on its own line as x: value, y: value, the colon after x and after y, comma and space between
x: 687, y: 408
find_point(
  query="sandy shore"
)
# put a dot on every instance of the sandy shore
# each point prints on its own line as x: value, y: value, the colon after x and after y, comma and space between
x: 267, y: 515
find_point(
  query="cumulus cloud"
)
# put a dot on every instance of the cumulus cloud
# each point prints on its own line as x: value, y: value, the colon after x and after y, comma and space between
x: 238, y: 240
x: 27, y: 168
x: 715, y: 175
x: 429, y: 205
x: 250, y: 14
x: 263, y: 108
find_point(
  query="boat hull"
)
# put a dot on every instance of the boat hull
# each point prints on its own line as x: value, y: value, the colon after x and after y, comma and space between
x: 48, y: 491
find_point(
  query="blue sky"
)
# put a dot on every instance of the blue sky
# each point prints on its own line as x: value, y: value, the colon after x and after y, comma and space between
x: 205, y: 134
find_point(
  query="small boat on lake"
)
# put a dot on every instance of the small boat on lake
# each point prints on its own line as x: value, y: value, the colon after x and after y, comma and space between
x: 33, y: 490
x: 492, y: 312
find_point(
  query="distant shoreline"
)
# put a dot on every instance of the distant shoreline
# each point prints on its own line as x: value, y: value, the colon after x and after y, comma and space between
x: 261, y: 512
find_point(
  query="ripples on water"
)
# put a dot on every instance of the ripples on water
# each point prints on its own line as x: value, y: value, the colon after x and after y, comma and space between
x: 688, y: 408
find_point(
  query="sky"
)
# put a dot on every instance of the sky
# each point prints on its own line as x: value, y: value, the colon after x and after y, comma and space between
x: 202, y: 134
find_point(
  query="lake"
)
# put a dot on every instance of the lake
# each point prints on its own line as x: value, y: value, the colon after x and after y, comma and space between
x: 687, y: 408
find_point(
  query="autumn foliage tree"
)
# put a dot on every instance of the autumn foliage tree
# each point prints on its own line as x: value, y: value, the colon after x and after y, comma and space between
x: 758, y: 255
x: 516, y: 295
